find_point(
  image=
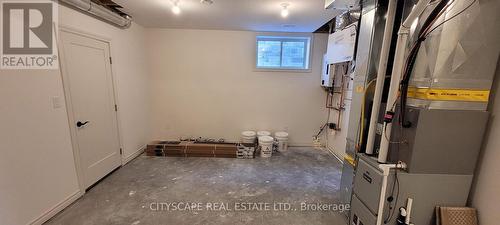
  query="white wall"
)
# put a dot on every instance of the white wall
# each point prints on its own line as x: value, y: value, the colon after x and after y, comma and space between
x: 204, y: 84
x: 37, y: 170
x: 337, y: 140
x: 485, y: 195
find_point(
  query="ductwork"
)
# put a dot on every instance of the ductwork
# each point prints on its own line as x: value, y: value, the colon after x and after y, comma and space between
x: 100, y: 12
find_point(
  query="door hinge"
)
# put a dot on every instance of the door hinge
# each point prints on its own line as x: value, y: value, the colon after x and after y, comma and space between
x: 116, y: 108
x: 121, y: 151
x: 110, y: 60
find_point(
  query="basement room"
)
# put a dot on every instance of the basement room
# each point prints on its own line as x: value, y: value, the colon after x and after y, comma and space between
x: 262, y: 112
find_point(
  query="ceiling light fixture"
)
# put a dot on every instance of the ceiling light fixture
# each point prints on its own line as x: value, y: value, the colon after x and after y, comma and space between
x: 284, y: 10
x: 208, y: 2
x: 176, y: 9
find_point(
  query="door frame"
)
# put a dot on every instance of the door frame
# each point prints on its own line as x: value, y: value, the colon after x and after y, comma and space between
x: 68, y: 99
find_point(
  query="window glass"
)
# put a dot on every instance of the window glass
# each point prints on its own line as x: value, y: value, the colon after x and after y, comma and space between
x: 288, y: 53
x: 269, y: 54
x: 293, y: 54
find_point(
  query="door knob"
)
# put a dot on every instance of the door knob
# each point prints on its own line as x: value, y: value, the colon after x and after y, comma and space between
x: 80, y: 124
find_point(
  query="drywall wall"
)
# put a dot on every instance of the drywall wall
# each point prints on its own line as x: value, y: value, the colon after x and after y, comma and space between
x: 337, y: 139
x: 37, y: 170
x: 485, y: 194
x: 204, y: 83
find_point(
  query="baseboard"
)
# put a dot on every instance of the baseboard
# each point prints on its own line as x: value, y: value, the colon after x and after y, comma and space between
x: 331, y: 150
x: 134, y: 155
x: 299, y: 144
x: 56, y: 209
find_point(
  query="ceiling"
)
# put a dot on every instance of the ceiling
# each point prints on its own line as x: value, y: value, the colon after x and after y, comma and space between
x: 253, y: 15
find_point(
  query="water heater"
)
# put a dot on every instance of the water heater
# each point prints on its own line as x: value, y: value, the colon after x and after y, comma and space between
x: 340, y: 51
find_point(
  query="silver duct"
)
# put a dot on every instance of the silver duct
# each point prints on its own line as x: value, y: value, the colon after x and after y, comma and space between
x: 100, y: 12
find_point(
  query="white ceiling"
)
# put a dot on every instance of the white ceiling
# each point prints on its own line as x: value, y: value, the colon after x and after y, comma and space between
x: 254, y: 15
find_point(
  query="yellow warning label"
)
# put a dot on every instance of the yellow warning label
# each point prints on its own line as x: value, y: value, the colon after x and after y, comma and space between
x: 449, y: 94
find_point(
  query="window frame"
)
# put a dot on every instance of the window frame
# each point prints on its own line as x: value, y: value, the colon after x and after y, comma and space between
x: 283, y: 37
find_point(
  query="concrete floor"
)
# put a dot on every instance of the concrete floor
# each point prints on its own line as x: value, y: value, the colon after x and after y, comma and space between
x: 302, y: 175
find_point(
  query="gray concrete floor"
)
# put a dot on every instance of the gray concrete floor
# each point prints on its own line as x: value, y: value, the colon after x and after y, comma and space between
x: 129, y: 195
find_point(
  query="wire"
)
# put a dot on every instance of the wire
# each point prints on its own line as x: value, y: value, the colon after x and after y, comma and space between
x: 445, y: 8
x: 424, y: 33
x: 393, y: 107
x: 461, y: 11
x: 393, y: 142
x: 396, y: 181
x: 410, y: 62
x: 324, y: 126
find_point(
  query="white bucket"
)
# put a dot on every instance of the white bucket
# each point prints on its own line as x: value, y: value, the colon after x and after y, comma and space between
x: 282, y: 139
x: 248, y: 137
x: 266, y: 146
x: 263, y: 133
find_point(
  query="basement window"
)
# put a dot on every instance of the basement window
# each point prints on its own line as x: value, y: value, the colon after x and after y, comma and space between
x: 283, y: 53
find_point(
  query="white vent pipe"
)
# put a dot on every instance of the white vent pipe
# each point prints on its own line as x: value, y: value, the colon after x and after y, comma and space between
x: 100, y: 12
x: 404, y: 32
x: 409, y: 206
x: 381, y: 74
x: 386, y: 169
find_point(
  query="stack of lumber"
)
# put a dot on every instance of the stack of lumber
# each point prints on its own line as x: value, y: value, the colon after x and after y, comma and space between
x: 191, y: 149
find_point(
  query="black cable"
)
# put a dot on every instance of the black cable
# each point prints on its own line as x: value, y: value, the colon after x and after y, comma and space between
x: 412, y: 58
x: 406, y: 81
x: 389, y: 216
x: 321, y: 130
x: 396, y: 181
x: 326, y: 124
x: 413, y: 54
x: 461, y: 11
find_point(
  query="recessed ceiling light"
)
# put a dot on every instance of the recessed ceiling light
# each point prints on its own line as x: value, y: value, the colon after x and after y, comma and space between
x: 176, y: 9
x: 284, y: 10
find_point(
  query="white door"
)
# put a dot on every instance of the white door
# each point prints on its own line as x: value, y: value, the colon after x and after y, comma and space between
x: 87, y: 74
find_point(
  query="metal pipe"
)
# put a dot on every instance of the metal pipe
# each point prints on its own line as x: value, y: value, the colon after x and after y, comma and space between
x: 79, y: 4
x: 100, y: 12
x: 397, y: 71
x: 381, y: 73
